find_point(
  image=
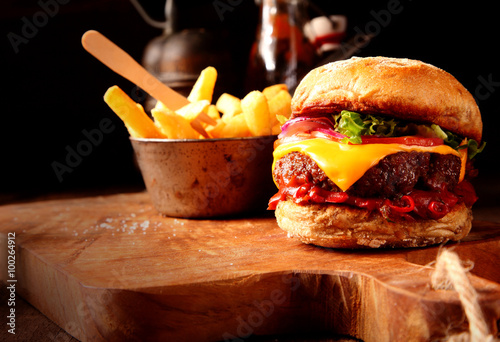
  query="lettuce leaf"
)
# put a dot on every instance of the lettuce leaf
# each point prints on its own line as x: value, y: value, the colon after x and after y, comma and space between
x: 472, y: 145
x: 473, y: 148
x: 350, y: 124
x: 354, y: 125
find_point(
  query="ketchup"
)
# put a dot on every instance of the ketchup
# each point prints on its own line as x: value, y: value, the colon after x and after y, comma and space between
x: 418, y: 204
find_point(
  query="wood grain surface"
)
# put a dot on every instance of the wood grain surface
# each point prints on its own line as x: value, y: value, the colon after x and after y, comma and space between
x: 109, y: 268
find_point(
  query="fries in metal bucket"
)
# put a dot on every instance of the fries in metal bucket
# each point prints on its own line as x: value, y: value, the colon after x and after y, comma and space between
x: 256, y: 111
x: 272, y: 91
x: 257, y: 114
x: 173, y: 125
x: 235, y: 127
x: 132, y: 114
x: 203, y: 89
x: 229, y: 105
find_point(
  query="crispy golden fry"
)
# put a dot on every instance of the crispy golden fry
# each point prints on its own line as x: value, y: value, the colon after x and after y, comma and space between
x: 193, y: 109
x: 216, y: 131
x: 160, y: 106
x: 194, y: 112
x: 256, y: 113
x: 276, y: 129
x: 272, y: 91
x: 203, y: 117
x: 229, y: 105
x: 136, y: 120
x: 280, y: 104
x: 173, y: 125
x: 213, y: 113
x: 235, y: 127
x: 203, y: 89
x: 198, y: 127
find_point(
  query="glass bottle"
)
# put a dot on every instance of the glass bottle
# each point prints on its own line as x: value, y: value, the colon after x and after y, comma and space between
x: 281, y: 52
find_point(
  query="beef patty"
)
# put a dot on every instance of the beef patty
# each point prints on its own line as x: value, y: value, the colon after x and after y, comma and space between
x: 394, y: 176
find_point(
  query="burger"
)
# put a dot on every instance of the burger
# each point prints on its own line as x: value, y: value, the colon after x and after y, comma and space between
x: 378, y: 152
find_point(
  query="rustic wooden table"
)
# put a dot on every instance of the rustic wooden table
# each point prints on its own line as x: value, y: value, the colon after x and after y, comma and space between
x: 32, y: 325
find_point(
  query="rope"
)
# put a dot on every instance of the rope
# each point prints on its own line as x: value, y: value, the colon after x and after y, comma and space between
x: 450, y: 274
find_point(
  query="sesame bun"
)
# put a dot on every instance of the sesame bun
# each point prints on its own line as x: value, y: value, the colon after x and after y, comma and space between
x: 402, y: 88
x: 341, y: 226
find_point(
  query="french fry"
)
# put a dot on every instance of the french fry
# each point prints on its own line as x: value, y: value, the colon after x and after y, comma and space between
x: 276, y: 129
x: 280, y: 104
x: 213, y: 113
x: 228, y: 105
x: 203, y: 117
x: 160, y: 106
x: 272, y: 91
x: 216, y: 131
x: 173, y: 125
x: 191, y: 111
x: 256, y: 113
x: 236, y: 127
x: 198, y: 127
x: 203, y: 89
x: 194, y: 112
x: 136, y: 120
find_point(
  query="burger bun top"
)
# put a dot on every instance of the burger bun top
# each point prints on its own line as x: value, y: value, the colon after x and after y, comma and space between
x: 402, y: 88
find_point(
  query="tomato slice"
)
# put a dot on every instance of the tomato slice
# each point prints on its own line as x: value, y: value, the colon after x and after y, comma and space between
x: 407, y: 140
x: 414, y: 140
x: 371, y: 139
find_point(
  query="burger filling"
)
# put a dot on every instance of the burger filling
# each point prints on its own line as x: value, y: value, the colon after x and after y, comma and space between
x: 402, y: 186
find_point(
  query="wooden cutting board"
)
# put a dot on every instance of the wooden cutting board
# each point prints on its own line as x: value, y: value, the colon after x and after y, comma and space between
x: 111, y: 269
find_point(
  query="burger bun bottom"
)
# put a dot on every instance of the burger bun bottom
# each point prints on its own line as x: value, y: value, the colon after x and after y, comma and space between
x: 341, y: 226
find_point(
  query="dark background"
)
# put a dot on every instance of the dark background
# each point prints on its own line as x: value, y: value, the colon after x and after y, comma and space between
x: 52, y: 89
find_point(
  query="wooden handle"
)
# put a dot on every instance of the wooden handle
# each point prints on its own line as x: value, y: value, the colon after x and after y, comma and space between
x: 123, y: 64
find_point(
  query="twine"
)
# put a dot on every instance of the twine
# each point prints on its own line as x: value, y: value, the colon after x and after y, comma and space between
x: 450, y: 274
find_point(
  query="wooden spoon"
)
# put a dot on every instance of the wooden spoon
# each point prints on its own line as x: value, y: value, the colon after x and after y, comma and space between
x: 123, y: 64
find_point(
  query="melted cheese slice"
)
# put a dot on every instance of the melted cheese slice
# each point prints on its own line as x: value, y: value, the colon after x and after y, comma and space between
x: 344, y: 164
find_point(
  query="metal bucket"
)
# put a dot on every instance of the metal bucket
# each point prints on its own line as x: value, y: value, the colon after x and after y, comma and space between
x: 206, y: 178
